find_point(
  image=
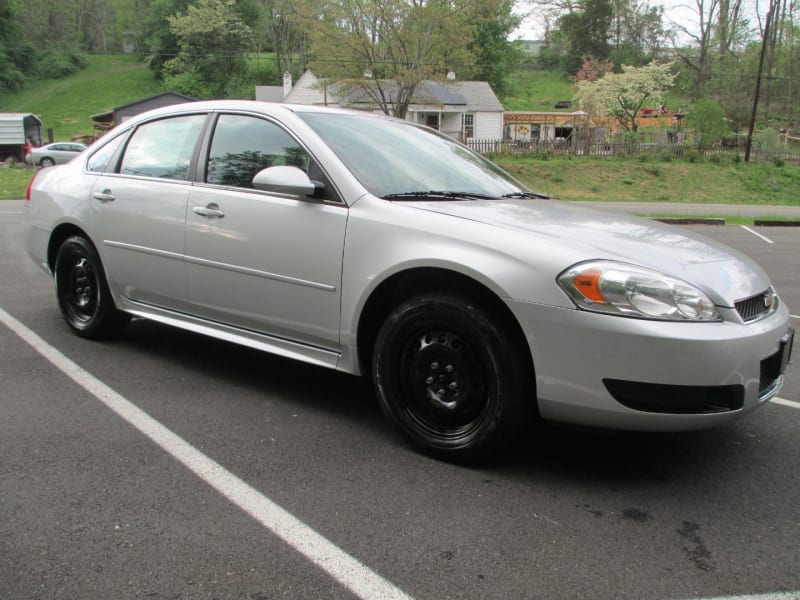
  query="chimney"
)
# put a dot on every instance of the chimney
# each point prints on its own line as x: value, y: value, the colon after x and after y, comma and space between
x: 287, y: 84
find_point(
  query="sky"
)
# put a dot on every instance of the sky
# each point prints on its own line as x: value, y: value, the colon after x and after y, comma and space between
x: 678, y: 11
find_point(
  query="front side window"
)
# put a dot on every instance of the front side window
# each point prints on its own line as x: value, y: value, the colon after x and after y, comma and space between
x: 393, y: 157
x: 163, y: 148
x: 243, y: 145
x: 98, y: 162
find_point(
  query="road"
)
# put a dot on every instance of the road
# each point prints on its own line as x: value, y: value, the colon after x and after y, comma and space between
x: 311, y: 495
x: 679, y: 208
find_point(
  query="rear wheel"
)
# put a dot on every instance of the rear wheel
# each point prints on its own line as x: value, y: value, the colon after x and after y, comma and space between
x: 82, y: 291
x: 47, y: 162
x: 450, y: 377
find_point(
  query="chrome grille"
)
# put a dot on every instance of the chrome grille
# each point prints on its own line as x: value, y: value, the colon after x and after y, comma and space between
x: 755, y: 307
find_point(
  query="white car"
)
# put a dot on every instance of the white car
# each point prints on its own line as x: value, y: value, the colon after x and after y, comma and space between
x: 381, y: 248
x: 54, y: 154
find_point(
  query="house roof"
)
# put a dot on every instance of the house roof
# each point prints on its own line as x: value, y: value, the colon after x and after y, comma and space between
x: 430, y: 95
x: 108, y: 116
x: 161, y: 95
x: 269, y: 93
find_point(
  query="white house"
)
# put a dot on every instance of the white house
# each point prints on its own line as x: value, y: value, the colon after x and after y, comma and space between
x: 462, y: 109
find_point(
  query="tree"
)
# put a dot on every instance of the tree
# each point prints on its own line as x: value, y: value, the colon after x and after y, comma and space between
x: 213, y: 39
x: 623, y: 95
x: 281, y: 32
x: 384, y: 49
x: 707, y: 118
x: 160, y: 39
x: 11, y: 77
x: 492, y: 21
x: 587, y: 32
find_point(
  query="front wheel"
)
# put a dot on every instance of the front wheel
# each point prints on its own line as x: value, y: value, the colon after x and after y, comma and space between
x: 450, y: 377
x: 46, y: 162
x: 82, y: 291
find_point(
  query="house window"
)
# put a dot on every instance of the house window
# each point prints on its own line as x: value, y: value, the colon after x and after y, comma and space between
x: 468, y: 125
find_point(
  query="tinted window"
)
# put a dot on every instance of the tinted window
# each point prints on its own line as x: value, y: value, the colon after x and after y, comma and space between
x: 242, y: 146
x: 98, y: 162
x: 163, y: 148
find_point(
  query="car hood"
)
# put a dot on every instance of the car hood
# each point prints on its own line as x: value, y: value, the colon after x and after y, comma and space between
x: 723, y: 273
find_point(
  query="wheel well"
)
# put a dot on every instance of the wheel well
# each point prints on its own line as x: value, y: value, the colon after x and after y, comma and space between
x: 61, y: 233
x: 410, y: 283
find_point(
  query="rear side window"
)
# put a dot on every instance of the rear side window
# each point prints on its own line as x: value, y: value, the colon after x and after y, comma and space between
x: 243, y: 145
x: 163, y: 148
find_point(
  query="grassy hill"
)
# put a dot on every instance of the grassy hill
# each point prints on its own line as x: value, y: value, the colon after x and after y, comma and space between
x: 636, y: 180
x: 66, y: 105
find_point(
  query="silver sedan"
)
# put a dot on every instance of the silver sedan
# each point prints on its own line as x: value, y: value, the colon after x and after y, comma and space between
x: 54, y: 154
x: 384, y: 249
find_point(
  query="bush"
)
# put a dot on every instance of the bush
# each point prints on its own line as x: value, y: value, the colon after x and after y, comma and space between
x: 778, y: 161
x: 694, y: 156
x: 653, y: 170
x: 54, y: 64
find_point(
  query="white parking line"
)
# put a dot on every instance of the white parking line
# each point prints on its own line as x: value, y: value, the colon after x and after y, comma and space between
x: 789, y: 403
x: 755, y: 233
x: 777, y: 596
x: 352, y: 574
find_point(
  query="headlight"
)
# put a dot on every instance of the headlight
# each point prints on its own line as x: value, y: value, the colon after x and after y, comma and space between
x: 620, y: 289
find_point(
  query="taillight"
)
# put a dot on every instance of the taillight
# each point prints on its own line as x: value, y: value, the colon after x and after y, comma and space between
x: 30, y: 185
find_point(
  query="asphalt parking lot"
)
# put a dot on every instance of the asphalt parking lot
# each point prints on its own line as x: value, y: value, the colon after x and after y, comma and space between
x: 167, y: 465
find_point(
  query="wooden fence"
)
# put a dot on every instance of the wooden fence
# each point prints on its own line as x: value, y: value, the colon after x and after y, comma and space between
x: 663, y: 151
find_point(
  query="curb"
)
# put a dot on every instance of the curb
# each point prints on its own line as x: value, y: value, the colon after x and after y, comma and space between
x: 768, y: 223
x: 689, y: 221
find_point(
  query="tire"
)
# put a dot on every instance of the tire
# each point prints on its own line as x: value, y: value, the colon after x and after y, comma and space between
x: 82, y: 291
x: 449, y: 377
x: 46, y: 162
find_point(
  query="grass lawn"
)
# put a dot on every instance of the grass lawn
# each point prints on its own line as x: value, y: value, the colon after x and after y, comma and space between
x: 615, y: 180
x: 634, y: 180
x: 531, y: 90
x: 66, y: 105
x: 13, y: 183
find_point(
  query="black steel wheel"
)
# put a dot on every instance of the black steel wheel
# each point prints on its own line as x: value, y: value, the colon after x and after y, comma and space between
x: 450, y: 378
x: 82, y: 291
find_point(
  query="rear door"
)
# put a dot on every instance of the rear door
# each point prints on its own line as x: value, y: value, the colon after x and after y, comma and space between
x: 140, y: 211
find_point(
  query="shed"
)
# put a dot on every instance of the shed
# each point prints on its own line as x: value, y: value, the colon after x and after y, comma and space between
x: 15, y: 128
x: 105, y: 121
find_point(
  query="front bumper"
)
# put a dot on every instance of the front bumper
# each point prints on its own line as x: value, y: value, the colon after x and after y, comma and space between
x: 717, y: 371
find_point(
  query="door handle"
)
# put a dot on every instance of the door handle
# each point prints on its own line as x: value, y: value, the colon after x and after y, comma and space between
x: 104, y: 196
x: 211, y: 210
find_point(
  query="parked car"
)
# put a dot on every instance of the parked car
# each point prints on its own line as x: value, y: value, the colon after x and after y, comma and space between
x: 382, y: 248
x: 54, y: 154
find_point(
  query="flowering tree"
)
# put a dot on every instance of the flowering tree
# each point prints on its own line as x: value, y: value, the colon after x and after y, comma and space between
x: 623, y: 95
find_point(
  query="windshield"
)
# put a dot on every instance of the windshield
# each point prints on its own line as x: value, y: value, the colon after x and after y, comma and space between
x: 397, y: 159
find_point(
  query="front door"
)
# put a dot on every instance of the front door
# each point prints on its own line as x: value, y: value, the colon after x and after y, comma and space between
x: 259, y: 261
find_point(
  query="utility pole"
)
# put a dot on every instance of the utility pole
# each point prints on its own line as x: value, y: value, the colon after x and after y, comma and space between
x: 764, y: 42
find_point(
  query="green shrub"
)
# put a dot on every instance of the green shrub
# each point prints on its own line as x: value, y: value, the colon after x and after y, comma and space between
x: 54, y: 64
x: 693, y: 156
x: 653, y: 170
